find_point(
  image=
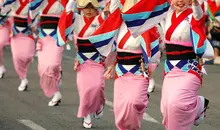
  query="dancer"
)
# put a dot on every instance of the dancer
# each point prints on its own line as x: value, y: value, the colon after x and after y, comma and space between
x: 89, y: 64
x: 49, y: 54
x: 5, y: 30
x: 133, y: 56
x: 181, y: 106
x: 22, y: 41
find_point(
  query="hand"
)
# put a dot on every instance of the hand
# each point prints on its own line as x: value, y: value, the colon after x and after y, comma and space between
x: 216, y: 26
x: 76, y: 64
x: 39, y: 46
x: 216, y: 29
x: 200, y: 60
x: 109, y: 73
x: 11, y: 35
x: 195, y: 2
x: 107, y: 9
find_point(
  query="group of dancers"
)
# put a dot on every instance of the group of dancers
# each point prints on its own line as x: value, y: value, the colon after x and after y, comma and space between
x: 120, y: 38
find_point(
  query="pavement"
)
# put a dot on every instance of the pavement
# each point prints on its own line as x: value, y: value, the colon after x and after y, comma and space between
x: 29, y: 110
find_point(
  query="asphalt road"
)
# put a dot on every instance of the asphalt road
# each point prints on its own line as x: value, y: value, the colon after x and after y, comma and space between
x: 29, y: 110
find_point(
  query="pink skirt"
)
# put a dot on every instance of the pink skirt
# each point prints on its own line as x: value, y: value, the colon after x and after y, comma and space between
x: 49, y: 65
x: 90, y: 84
x: 130, y: 101
x: 23, y: 49
x: 180, y: 102
x: 4, y: 40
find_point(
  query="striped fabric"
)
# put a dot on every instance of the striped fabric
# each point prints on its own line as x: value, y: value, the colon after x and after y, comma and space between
x: 34, y: 9
x: 64, y: 27
x: 24, y: 30
x: 121, y: 70
x: 95, y: 56
x: 43, y: 33
x: 213, y: 10
x: 4, y: 18
x: 8, y: 4
x: 201, y: 45
x: 104, y: 40
x: 142, y: 16
x: 139, y: 19
x: 150, y: 41
x: 189, y: 66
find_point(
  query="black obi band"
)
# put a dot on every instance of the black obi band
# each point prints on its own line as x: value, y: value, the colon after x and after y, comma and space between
x: 85, y: 46
x: 126, y: 58
x: 48, y: 22
x: 20, y: 22
x: 178, y: 52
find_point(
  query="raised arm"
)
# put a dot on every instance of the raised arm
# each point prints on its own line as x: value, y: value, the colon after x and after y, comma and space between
x: 4, y: 16
x: 115, y: 4
x: 213, y: 8
x: 202, y: 47
x: 34, y: 10
x: 103, y: 38
x: 66, y: 23
x: 64, y: 3
x: 145, y: 15
x: 150, y: 45
x: 35, y: 6
x: 198, y: 13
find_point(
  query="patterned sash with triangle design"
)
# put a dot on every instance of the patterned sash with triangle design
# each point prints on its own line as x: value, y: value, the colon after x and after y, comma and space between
x: 82, y: 57
x: 24, y: 28
x: 190, y: 66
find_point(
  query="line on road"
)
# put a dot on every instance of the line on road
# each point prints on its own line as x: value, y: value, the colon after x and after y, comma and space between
x: 146, y: 116
x: 31, y: 124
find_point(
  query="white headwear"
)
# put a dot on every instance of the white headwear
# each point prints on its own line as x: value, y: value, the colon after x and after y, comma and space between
x: 84, y: 3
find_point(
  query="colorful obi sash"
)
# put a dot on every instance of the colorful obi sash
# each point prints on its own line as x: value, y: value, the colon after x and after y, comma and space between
x: 48, y: 23
x: 179, y: 52
x: 21, y: 26
x: 86, y: 51
x: 3, y: 19
x: 126, y: 58
x: 129, y: 62
x: 85, y: 46
x: 182, y: 57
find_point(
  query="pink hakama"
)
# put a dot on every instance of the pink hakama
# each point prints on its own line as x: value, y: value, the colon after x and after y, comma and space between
x: 180, y: 102
x: 90, y: 84
x: 23, y: 49
x: 4, y: 40
x: 49, y: 65
x: 130, y: 101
